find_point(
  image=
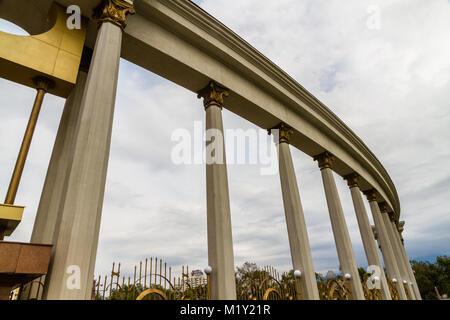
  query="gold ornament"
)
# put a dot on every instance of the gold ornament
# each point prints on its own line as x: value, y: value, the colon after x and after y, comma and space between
x: 213, y: 94
x: 114, y: 11
x: 325, y: 160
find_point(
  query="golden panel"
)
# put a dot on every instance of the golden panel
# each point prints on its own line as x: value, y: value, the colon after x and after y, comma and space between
x: 55, y: 54
x: 10, y: 217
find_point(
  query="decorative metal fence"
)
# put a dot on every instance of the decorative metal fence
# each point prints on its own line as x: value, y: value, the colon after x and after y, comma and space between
x: 153, y: 279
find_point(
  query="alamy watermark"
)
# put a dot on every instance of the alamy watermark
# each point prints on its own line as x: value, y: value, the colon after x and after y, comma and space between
x: 238, y: 146
x: 373, y: 21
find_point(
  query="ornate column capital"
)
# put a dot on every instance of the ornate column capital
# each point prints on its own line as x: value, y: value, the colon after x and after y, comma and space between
x: 391, y: 216
x: 352, y: 179
x: 371, y: 195
x: 383, y: 207
x: 325, y: 160
x: 114, y: 11
x: 213, y: 94
x: 285, y: 132
x: 43, y: 83
x: 400, y: 226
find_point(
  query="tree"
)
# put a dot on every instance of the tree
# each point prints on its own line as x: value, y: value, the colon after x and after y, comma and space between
x: 430, y: 275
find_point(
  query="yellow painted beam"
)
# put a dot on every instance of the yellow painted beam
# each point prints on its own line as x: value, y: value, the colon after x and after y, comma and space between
x: 55, y: 54
x: 10, y: 217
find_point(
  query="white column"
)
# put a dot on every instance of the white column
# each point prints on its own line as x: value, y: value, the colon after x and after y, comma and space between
x: 365, y: 229
x: 70, y: 275
x: 340, y: 230
x: 295, y: 220
x: 387, y: 218
x: 48, y: 211
x: 405, y: 257
x: 220, y: 242
x: 385, y: 244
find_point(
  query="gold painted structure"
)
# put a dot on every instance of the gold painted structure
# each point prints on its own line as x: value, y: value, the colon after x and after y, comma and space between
x: 42, y: 84
x: 10, y: 215
x: 55, y: 54
x: 48, y: 62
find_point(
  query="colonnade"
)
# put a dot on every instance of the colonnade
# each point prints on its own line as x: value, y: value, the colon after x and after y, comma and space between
x: 70, y: 209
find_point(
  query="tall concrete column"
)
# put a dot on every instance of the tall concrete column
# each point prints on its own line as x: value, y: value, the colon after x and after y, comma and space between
x: 365, y: 229
x: 71, y: 269
x: 399, y: 229
x: 385, y: 244
x: 340, y: 230
x: 220, y: 241
x: 295, y: 220
x: 48, y: 210
x: 388, y: 220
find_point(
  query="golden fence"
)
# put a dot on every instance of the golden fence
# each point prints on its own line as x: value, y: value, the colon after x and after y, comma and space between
x: 153, y: 279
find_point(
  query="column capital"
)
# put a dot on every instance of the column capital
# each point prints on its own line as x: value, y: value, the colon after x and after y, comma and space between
x: 285, y: 132
x: 371, y: 195
x: 400, y: 226
x: 352, y: 179
x: 43, y: 83
x: 325, y: 160
x: 391, y: 216
x: 383, y: 206
x: 114, y: 11
x: 213, y: 94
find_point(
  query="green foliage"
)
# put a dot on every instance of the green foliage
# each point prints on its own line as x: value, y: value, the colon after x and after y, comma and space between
x: 430, y: 275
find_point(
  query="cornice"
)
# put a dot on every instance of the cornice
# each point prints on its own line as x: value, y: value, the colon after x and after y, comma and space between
x: 321, y: 115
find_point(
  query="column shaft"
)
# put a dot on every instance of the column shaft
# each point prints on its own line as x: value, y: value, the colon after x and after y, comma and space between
x: 408, y: 264
x: 368, y: 239
x: 386, y: 248
x: 397, y: 253
x: 340, y: 231
x: 296, y: 226
x: 48, y: 210
x: 220, y: 242
x: 71, y: 270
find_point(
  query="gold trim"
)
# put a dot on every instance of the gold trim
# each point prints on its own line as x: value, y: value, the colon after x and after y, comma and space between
x: 325, y: 160
x: 269, y: 291
x: 371, y: 195
x: 352, y: 179
x: 285, y: 132
x: 114, y: 11
x: 383, y: 207
x: 391, y: 217
x: 150, y: 291
x: 213, y: 94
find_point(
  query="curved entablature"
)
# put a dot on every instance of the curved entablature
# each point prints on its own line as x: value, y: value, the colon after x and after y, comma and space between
x: 182, y: 43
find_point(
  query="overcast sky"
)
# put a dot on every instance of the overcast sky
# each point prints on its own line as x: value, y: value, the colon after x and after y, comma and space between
x: 387, y: 79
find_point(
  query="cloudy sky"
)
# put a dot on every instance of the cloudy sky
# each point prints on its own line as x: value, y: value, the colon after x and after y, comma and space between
x: 382, y: 66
